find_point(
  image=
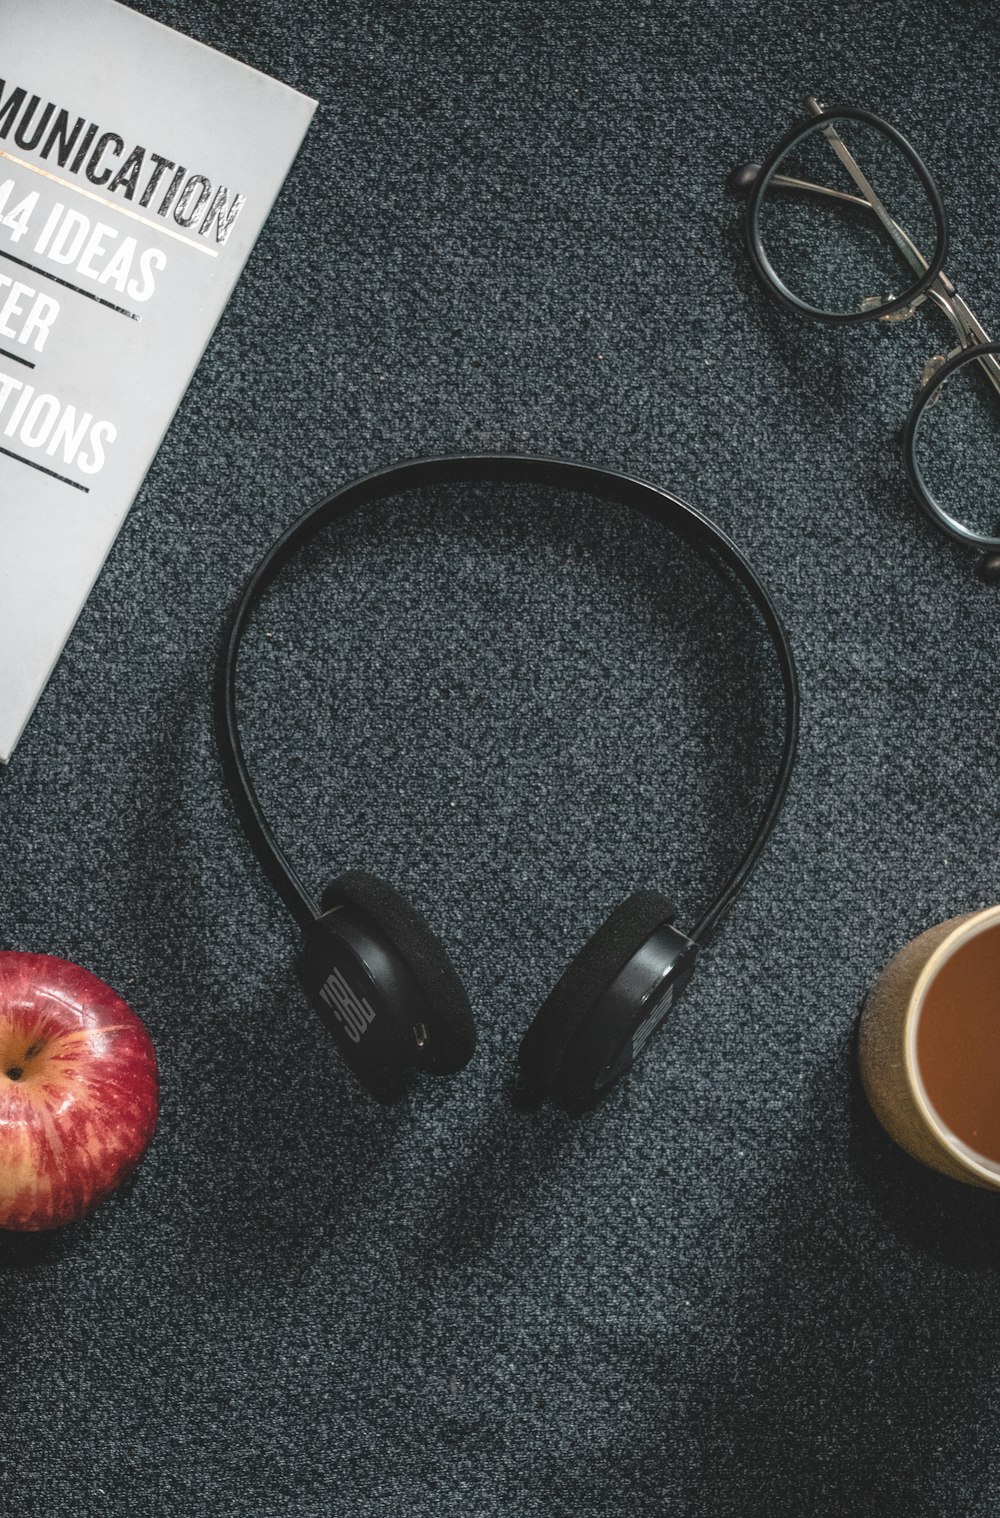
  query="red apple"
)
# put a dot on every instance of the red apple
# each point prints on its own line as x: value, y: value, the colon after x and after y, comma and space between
x: 78, y: 1091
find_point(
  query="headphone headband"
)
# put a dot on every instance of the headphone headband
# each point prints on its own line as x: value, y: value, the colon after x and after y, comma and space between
x: 606, y: 484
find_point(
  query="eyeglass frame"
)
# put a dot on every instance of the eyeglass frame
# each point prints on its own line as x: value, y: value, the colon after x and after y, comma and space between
x: 975, y: 344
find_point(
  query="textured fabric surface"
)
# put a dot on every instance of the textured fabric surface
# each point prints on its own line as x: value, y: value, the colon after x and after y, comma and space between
x: 725, y: 1292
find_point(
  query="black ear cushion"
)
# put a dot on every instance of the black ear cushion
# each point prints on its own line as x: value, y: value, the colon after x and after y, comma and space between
x: 586, y: 979
x: 453, y: 1032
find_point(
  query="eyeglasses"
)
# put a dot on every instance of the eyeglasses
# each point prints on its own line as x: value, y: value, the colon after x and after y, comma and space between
x: 825, y: 244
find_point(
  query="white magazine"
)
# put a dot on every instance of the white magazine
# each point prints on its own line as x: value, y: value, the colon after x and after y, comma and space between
x: 137, y: 168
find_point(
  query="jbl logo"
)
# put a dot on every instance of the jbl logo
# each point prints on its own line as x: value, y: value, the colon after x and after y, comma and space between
x: 353, y: 1011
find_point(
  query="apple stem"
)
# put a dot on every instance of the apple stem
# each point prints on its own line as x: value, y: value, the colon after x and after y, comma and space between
x: 15, y: 1072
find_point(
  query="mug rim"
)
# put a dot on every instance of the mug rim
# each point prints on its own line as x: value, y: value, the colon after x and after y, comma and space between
x: 970, y: 1159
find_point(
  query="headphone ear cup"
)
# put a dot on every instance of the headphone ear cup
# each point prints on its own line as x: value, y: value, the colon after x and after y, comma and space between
x: 451, y: 1032
x: 583, y: 983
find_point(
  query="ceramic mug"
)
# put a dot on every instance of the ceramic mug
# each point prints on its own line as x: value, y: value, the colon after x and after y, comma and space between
x: 929, y: 1047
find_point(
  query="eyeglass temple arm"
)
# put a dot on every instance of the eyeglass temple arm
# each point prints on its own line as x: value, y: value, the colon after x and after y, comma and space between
x: 743, y: 179
x: 903, y: 241
x: 847, y: 158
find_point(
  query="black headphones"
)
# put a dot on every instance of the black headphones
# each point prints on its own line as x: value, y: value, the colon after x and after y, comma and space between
x: 375, y: 972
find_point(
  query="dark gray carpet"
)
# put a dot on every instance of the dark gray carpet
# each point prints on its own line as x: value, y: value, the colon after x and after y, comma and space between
x: 725, y: 1292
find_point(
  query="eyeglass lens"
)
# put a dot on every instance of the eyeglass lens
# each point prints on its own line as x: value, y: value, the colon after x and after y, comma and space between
x: 837, y: 254
x: 956, y: 447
